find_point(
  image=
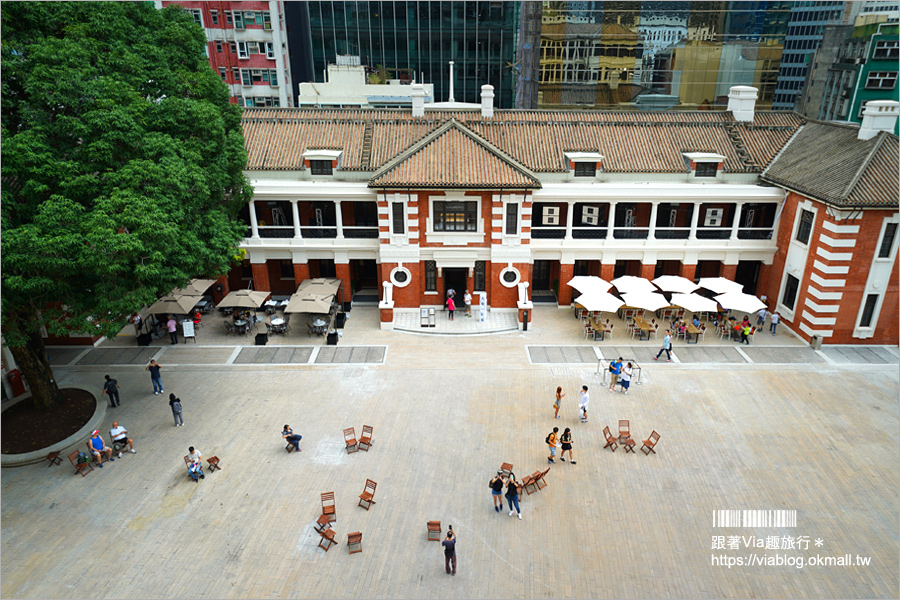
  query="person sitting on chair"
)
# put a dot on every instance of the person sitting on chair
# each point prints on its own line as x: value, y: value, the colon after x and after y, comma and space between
x: 292, y: 437
x: 97, y: 447
x: 195, y: 466
x: 119, y: 435
x: 196, y: 318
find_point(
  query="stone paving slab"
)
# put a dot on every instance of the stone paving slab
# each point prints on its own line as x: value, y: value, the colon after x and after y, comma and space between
x: 775, y: 355
x: 185, y: 354
x: 698, y: 353
x: 118, y: 356
x: 561, y: 354
x: 865, y: 355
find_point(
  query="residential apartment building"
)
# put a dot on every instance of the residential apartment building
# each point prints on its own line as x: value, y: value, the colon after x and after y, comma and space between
x: 410, y: 203
x: 247, y: 47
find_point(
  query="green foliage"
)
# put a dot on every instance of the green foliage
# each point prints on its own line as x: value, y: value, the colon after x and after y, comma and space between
x: 121, y: 161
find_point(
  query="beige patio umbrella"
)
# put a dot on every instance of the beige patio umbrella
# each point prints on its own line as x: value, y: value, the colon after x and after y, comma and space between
x: 172, y: 304
x: 244, y: 299
x: 307, y: 302
x: 196, y: 287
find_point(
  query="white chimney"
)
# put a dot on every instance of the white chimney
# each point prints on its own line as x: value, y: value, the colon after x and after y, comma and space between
x: 418, y: 100
x: 742, y: 102
x: 487, y: 101
x: 878, y: 115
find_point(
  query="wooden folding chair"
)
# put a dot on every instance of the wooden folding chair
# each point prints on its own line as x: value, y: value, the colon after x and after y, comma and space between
x: 434, y: 531
x: 365, y: 440
x: 368, y: 494
x: 54, y: 459
x: 624, y: 430
x: 531, y: 481
x: 541, y: 484
x: 213, y: 463
x: 84, y: 467
x: 327, y: 539
x: 610, y: 440
x: 323, y: 523
x: 649, y: 444
x: 354, y: 539
x: 350, y: 439
x: 506, y: 468
x: 328, y: 506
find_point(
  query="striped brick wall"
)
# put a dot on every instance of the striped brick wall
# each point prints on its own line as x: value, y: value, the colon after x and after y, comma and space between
x: 830, y: 267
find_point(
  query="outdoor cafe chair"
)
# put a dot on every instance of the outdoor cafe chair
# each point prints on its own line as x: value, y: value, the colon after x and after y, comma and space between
x: 624, y: 429
x: 350, y: 439
x: 230, y: 328
x: 368, y: 494
x: 610, y: 440
x: 328, y: 506
x: 365, y: 440
x: 649, y: 444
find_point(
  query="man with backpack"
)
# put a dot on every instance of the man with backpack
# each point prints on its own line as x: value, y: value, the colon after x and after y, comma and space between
x: 552, y: 441
x: 615, y: 367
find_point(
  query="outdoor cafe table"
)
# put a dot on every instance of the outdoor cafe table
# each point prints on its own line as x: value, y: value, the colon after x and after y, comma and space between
x: 599, y: 328
x: 241, y: 325
x: 644, y: 326
x: 692, y: 331
x: 277, y: 322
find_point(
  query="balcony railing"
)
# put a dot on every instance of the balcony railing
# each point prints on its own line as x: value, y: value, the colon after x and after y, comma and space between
x: 318, y: 232
x: 713, y: 234
x: 755, y: 233
x: 360, y: 232
x: 271, y: 231
x: 548, y: 233
x: 589, y: 233
x: 672, y: 233
x: 631, y: 233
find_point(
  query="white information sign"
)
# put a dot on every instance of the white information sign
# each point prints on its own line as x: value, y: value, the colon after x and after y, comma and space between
x: 188, y: 328
x: 482, y: 306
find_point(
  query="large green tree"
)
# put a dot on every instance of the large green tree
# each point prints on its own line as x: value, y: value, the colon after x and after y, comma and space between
x: 122, y: 169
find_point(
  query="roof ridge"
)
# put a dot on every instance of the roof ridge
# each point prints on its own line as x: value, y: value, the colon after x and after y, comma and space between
x: 879, y: 140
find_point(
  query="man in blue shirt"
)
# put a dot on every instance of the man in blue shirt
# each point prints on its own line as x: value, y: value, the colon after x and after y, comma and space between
x: 615, y: 367
x: 98, y: 447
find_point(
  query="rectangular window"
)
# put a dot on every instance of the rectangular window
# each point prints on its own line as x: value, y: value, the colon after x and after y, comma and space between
x: 397, y: 221
x: 238, y: 19
x: 219, y: 46
x: 233, y: 47
x: 228, y: 18
x: 582, y: 267
x: 868, y: 310
x: 881, y: 80
x: 198, y: 15
x: 267, y: 20
x: 214, y: 17
x: 585, y: 169
x: 887, y: 50
x: 320, y: 167
x: 250, y: 17
x: 273, y: 77
x: 706, y: 169
x: 805, y: 227
x: 791, y: 285
x: 235, y: 75
x: 246, y: 269
x: 270, y: 50
x: 245, y: 77
x: 430, y: 276
x: 479, y: 278
x: 455, y: 216
x: 242, y: 51
x: 887, y: 240
x: 512, y: 219
x: 223, y: 73
x: 287, y: 269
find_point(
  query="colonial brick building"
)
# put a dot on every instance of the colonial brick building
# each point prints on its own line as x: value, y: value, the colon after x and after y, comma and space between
x: 511, y: 204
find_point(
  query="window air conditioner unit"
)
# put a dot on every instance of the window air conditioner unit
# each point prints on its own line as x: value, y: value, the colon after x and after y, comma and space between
x: 551, y: 215
x: 590, y: 215
x: 713, y: 217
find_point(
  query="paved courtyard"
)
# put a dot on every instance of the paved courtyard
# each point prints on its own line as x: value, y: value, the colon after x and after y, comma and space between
x: 774, y: 426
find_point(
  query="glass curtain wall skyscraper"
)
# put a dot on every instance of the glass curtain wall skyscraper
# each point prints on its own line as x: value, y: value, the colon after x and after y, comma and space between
x: 416, y: 40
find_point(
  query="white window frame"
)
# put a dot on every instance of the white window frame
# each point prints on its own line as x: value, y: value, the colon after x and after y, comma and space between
x: 270, y: 50
x: 454, y: 238
x: 880, y: 76
x: 518, y: 231
x: 243, y: 53
x: 197, y: 15
x: 402, y: 269
x: 238, y: 17
x: 214, y: 16
x: 509, y: 269
x: 877, y: 280
x: 405, y: 217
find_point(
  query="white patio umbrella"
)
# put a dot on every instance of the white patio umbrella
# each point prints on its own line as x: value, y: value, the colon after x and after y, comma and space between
x: 645, y: 300
x: 630, y: 283
x: 601, y: 301
x: 244, y: 299
x: 720, y: 285
x: 739, y: 301
x: 589, y: 283
x: 675, y: 283
x: 694, y: 303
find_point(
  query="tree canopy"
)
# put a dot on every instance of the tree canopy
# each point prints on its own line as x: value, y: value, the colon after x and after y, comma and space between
x: 122, y: 168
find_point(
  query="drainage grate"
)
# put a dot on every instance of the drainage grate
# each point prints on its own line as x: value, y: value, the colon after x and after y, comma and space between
x: 274, y: 355
x: 118, y: 356
x: 562, y: 354
x: 352, y: 354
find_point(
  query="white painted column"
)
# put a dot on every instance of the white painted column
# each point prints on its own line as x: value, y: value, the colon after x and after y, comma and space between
x: 295, y: 214
x: 254, y: 226
x: 570, y: 211
x: 611, y: 220
x: 736, y: 222
x: 338, y: 219
x: 695, y: 218
x: 654, y: 208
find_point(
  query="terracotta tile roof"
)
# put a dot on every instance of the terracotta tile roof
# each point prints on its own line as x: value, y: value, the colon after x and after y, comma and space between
x: 630, y: 141
x: 454, y: 157
x: 828, y: 162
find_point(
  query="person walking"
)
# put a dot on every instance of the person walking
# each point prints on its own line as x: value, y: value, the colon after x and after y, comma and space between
x: 625, y: 379
x: 773, y: 324
x: 583, y: 403
x: 175, y: 404
x: 761, y: 316
x: 614, y: 368
x: 496, y: 485
x: 558, y: 403
x: 111, y: 389
x: 449, y: 545
x: 666, y: 347
x: 512, y: 495
x: 154, y: 368
x: 567, y: 441
x: 553, y: 442
x: 293, y: 438
x: 172, y: 328
x: 451, y: 307
x: 138, y: 322
x: 745, y: 334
